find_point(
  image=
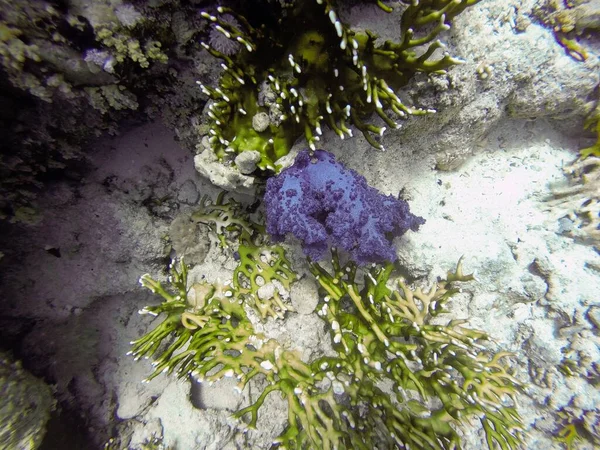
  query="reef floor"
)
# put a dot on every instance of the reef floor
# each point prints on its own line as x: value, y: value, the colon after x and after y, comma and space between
x: 71, y: 295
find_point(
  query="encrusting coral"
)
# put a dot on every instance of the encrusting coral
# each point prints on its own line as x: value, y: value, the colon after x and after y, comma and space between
x: 399, y: 376
x: 327, y: 74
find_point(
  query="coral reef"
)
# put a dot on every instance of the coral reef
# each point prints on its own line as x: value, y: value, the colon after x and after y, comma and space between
x: 42, y: 52
x: 92, y: 68
x: 329, y: 74
x: 322, y: 203
x: 398, y: 375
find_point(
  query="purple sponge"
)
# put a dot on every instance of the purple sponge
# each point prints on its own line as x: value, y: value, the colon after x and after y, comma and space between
x: 322, y: 203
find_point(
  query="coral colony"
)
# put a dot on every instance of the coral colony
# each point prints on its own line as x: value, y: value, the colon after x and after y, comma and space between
x: 305, y: 69
x: 320, y: 202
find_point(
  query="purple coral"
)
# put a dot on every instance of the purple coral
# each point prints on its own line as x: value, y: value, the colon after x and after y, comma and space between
x: 321, y: 202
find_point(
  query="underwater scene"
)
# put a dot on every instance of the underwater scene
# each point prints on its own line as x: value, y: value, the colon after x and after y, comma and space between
x: 299, y: 224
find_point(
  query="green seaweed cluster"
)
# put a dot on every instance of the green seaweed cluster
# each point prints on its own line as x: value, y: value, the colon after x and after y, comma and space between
x: 296, y: 68
x: 391, y: 328
x: 400, y: 375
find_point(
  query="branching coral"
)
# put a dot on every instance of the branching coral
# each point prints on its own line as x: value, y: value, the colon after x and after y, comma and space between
x: 390, y: 333
x: 398, y: 376
x: 263, y: 270
x: 262, y: 273
x: 327, y: 74
x: 226, y: 219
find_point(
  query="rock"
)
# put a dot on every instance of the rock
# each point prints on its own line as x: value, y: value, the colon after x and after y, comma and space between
x: 187, y: 239
x: 188, y: 193
x: 260, y: 121
x: 594, y: 316
x: 304, y: 295
x: 266, y: 292
x: 221, y: 395
x: 226, y: 177
x: 247, y: 160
